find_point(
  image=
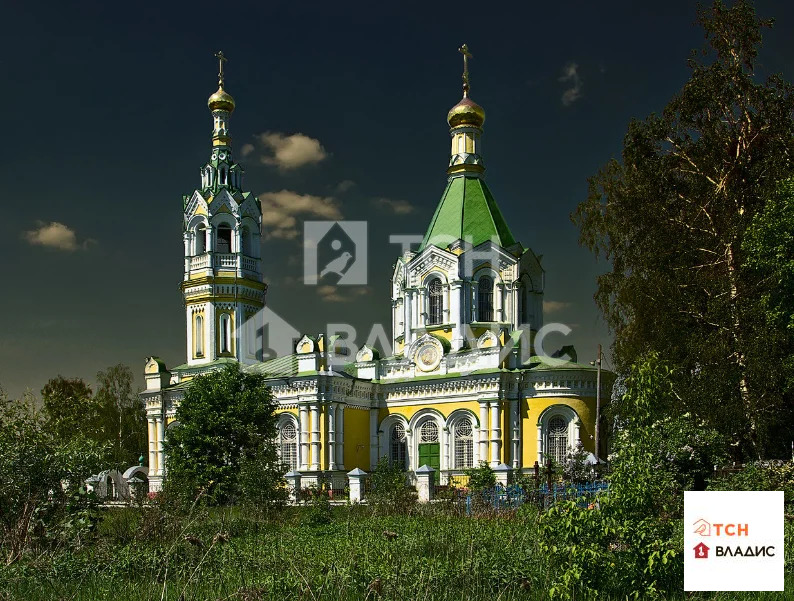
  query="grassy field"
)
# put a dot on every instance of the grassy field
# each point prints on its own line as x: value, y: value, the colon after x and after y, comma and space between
x: 140, y: 554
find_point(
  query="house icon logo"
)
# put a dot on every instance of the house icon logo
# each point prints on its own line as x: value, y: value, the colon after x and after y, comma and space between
x: 702, y: 527
x: 701, y: 551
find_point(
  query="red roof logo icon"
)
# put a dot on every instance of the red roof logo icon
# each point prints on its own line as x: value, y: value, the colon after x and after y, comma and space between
x: 701, y: 551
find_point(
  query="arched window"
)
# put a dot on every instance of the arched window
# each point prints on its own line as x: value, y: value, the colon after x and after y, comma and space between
x: 226, y: 333
x: 245, y: 242
x: 557, y: 439
x: 224, y: 239
x: 199, y: 336
x: 200, y: 239
x: 288, y: 445
x: 523, y: 300
x: 485, y: 299
x: 397, y: 446
x: 429, y: 447
x: 463, y: 436
x: 436, y: 302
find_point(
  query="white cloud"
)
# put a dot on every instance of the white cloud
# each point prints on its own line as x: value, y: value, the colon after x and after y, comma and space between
x: 345, y: 185
x: 55, y: 235
x: 279, y: 211
x: 570, y: 76
x: 291, y: 151
x: 554, y: 306
x: 246, y: 149
x: 342, y: 294
x: 398, y: 207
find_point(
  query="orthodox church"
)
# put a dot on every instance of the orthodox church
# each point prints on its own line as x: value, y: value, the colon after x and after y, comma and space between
x: 463, y: 384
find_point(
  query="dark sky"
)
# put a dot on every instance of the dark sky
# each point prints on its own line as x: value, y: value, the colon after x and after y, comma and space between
x: 106, y: 126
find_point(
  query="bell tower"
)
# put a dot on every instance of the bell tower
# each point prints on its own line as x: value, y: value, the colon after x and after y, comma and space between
x: 223, y: 287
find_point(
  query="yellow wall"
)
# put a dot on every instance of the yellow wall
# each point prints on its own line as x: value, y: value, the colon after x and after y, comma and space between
x: 356, y: 439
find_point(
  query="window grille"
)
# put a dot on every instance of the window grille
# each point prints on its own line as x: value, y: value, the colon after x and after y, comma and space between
x: 558, y: 439
x: 428, y: 432
x: 436, y: 301
x: 464, y: 445
x: 398, y: 446
x: 289, y: 445
x: 485, y: 299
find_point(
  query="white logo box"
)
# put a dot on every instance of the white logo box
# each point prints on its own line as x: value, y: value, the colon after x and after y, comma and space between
x: 733, y: 541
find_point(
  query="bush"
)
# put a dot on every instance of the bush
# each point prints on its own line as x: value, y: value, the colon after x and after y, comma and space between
x: 481, y: 477
x: 761, y: 475
x: 389, y: 489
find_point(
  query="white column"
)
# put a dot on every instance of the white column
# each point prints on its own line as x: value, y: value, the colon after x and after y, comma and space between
x: 425, y: 483
x: 340, y: 437
x: 331, y: 442
x: 315, y: 436
x: 540, y: 444
x: 515, y: 406
x: 499, y: 304
x: 408, y: 325
x: 356, y: 480
x: 189, y: 322
x: 158, y: 429
x: 483, y: 451
x: 211, y: 343
x: 210, y: 239
x: 373, y: 438
x: 446, y: 464
x: 303, y: 413
x: 446, y: 316
x: 454, y: 314
x: 152, y: 448
x: 496, y: 432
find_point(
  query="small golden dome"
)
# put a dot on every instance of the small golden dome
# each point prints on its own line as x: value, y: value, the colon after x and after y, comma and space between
x: 466, y: 112
x: 221, y: 101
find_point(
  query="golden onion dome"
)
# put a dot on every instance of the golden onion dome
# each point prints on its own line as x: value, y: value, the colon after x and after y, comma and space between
x: 466, y: 112
x: 221, y: 101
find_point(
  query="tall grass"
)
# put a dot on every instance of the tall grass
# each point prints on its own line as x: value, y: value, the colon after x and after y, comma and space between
x: 143, y: 554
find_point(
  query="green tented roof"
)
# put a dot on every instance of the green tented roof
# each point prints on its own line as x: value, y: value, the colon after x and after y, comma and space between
x: 467, y: 211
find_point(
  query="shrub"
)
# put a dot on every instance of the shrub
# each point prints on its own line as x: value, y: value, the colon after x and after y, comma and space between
x: 481, y: 477
x: 389, y: 489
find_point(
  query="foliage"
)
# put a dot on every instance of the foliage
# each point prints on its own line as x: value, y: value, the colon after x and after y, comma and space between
x: 629, y: 542
x: 680, y: 284
x: 481, y: 477
x: 224, y: 439
x: 42, y: 499
x: 70, y: 408
x: 122, y: 415
x: 389, y: 489
x: 761, y: 475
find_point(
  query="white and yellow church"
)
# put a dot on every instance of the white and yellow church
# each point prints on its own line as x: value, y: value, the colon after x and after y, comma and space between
x: 463, y: 384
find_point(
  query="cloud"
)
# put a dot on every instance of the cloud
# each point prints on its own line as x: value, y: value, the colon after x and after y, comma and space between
x: 280, y: 211
x: 342, y: 294
x: 291, y: 151
x: 554, y: 306
x: 570, y: 76
x: 398, y: 207
x: 55, y: 235
x: 345, y: 185
x: 246, y: 149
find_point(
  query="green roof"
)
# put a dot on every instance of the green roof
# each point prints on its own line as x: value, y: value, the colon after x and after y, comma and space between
x: 280, y: 367
x: 467, y: 211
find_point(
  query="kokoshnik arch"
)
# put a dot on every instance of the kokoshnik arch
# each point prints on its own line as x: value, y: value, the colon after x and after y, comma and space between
x: 449, y: 397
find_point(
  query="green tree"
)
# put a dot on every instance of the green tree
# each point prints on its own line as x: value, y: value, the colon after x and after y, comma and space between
x: 226, y: 427
x: 71, y: 409
x: 123, y: 416
x: 672, y: 216
x: 42, y: 473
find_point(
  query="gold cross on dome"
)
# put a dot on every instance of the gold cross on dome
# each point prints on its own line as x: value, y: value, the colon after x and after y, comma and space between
x: 221, y: 59
x: 464, y: 50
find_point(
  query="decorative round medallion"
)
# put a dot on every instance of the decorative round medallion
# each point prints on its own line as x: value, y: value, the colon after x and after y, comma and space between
x: 428, y: 356
x: 222, y: 156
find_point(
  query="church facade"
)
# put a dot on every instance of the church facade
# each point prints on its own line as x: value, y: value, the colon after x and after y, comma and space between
x: 464, y: 382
